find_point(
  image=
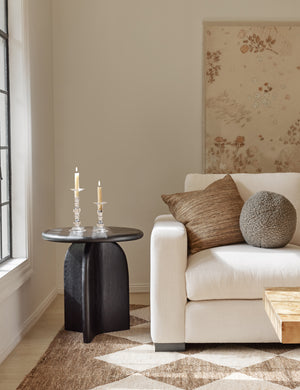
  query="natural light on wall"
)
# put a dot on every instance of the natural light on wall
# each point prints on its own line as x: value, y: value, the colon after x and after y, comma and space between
x: 16, y: 271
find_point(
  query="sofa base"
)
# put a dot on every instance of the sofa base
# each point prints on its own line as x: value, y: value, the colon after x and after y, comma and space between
x: 169, y: 347
x: 219, y: 321
x: 228, y: 321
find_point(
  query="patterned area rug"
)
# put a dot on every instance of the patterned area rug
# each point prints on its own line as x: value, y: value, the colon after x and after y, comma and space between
x: 126, y: 360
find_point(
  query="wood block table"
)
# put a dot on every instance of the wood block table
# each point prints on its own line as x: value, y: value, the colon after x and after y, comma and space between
x: 282, y: 305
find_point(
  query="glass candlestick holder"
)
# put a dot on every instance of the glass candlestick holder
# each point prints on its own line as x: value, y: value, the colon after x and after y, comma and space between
x: 100, y: 228
x: 77, y: 228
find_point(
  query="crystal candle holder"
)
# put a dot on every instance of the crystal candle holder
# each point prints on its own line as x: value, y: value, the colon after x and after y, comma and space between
x: 77, y: 228
x: 100, y: 228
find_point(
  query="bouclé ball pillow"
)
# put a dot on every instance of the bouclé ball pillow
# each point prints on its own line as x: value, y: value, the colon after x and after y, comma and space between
x: 211, y: 216
x: 268, y: 220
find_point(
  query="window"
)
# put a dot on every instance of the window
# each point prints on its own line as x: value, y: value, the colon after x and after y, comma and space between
x: 5, y: 166
x: 15, y: 124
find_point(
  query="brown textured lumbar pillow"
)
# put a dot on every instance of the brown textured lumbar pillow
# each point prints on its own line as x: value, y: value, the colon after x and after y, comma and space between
x: 211, y: 216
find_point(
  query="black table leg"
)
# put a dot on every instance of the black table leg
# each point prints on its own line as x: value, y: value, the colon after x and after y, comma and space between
x: 104, y: 302
x: 73, y: 287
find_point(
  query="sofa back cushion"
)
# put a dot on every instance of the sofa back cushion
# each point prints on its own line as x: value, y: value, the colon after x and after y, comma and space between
x: 286, y: 184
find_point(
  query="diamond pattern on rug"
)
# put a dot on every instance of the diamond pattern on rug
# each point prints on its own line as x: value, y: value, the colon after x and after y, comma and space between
x: 106, y: 344
x: 234, y: 356
x: 280, y: 370
x: 136, y: 321
x: 238, y: 381
x: 191, y: 349
x: 140, y: 358
x: 188, y: 373
x: 138, y: 333
x: 68, y: 363
x: 275, y: 348
x: 137, y: 381
x: 294, y: 354
x: 143, y: 313
x: 126, y: 360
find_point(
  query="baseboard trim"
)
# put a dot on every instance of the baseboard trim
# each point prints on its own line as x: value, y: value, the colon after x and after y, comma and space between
x: 133, y: 288
x: 27, y: 325
x: 139, y: 288
x: 60, y: 290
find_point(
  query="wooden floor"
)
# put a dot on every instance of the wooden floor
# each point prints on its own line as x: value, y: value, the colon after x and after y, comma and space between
x: 27, y: 353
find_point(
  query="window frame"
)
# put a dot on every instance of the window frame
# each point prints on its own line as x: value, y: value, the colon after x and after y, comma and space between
x: 5, y: 36
x: 15, y: 271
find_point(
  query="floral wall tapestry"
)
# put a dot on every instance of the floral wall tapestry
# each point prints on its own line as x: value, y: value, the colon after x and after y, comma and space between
x: 252, y: 97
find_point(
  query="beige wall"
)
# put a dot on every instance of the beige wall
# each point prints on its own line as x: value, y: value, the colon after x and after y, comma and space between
x: 127, y: 103
x: 19, y: 310
x: 126, y: 98
x: 41, y: 85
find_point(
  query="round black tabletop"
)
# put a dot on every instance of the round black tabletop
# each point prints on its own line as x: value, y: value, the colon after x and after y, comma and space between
x: 113, y: 234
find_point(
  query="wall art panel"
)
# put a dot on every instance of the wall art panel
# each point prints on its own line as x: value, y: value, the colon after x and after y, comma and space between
x: 252, y: 97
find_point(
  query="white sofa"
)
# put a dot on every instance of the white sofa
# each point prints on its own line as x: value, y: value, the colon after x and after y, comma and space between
x: 216, y: 295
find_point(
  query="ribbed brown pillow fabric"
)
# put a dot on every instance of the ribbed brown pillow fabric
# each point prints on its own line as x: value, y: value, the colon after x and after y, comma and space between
x: 211, y: 216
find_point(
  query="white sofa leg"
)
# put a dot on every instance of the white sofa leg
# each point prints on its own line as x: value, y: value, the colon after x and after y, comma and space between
x: 169, y: 347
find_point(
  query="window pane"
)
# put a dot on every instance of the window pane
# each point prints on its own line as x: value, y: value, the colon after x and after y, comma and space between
x: 3, y: 120
x: 3, y: 75
x: 3, y: 15
x: 5, y: 231
x: 5, y: 176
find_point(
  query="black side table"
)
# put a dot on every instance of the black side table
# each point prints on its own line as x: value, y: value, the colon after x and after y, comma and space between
x: 95, y: 279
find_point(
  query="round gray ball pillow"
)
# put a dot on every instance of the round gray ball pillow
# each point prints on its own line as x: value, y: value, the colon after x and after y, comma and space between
x: 268, y: 220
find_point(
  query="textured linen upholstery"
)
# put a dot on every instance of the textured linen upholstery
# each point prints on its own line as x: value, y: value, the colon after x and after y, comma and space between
x: 168, y: 290
x: 241, y: 271
x: 175, y: 319
x: 228, y: 321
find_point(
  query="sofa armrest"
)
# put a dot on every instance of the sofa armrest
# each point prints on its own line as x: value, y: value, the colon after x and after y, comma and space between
x: 168, y: 289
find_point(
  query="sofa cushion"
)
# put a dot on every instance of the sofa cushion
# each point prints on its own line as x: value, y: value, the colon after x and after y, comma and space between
x: 241, y: 271
x: 268, y: 220
x: 211, y: 216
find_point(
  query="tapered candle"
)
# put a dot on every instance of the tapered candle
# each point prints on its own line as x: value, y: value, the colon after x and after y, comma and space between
x: 76, y: 182
x: 99, y: 195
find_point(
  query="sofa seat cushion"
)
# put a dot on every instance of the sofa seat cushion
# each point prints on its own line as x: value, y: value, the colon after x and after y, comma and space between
x: 241, y: 271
